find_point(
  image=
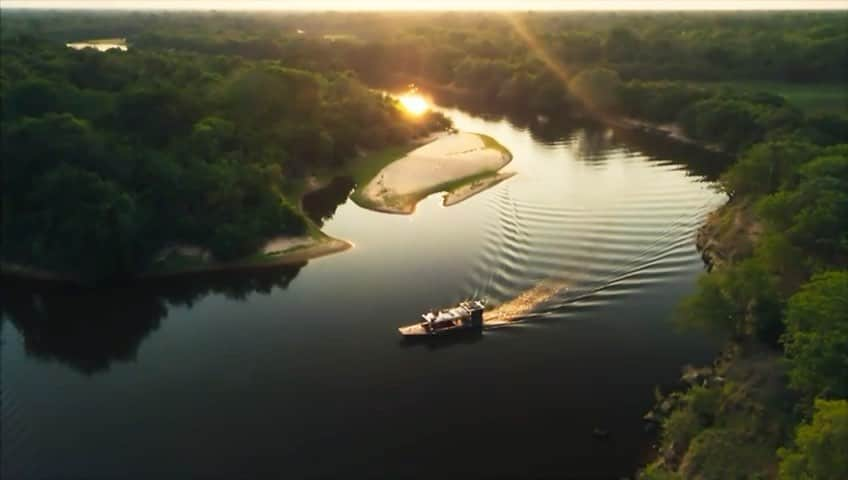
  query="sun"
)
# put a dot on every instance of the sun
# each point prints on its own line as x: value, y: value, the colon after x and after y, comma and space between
x: 414, y: 103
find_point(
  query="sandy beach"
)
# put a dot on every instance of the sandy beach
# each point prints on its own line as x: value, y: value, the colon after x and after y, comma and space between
x: 434, y: 167
x: 278, y: 251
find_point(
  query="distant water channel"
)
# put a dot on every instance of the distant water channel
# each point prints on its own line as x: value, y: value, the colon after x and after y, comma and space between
x: 299, y: 372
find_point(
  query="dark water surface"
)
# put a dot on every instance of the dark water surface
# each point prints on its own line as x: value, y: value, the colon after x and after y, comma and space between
x: 299, y: 372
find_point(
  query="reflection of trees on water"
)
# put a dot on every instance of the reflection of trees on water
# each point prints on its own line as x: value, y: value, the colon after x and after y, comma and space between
x: 592, y: 144
x: 89, y: 329
x: 592, y: 138
x: 84, y: 330
x: 698, y: 161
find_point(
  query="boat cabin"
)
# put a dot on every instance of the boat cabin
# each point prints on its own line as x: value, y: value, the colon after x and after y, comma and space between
x: 467, y: 314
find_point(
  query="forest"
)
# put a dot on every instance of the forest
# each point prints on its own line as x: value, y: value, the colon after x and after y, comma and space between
x: 109, y: 157
x: 141, y: 143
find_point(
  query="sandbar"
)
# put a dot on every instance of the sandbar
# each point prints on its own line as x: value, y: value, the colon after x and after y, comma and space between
x: 441, y: 165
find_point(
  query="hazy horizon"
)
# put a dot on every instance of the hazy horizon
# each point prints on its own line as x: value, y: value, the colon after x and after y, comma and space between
x: 307, y: 5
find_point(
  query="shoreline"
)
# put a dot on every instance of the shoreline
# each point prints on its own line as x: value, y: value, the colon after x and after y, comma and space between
x: 671, y: 131
x: 298, y: 249
x: 297, y: 254
x: 468, y: 190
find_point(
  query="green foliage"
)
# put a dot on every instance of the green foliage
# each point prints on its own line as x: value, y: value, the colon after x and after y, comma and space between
x: 730, y: 428
x: 659, y: 101
x: 816, y: 338
x: 741, y: 299
x: 680, y: 428
x: 812, y: 207
x: 729, y: 122
x: 704, y: 402
x: 31, y: 97
x: 820, y: 449
x: 82, y: 223
x: 767, y: 167
x: 140, y: 150
x: 725, y: 454
x: 658, y: 472
x: 709, y: 306
x: 598, y: 88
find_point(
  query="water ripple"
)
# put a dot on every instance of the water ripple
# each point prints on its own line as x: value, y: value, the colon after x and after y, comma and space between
x: 547, y: 258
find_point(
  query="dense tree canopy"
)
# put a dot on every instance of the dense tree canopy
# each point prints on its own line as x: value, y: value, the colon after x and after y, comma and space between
x: 816, y: 336
x: 110, y: 156
x: 821, y: 446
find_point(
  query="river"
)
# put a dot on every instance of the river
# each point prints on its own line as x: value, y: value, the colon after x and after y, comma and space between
x: 299, y: 372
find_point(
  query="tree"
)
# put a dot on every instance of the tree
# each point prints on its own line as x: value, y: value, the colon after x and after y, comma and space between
x: 820, y: 449
x: 598, y: 88
x: 816, y: 338
x: 30, y: 98
x: 87, y: 224
x: 741, y: 299
x: 767, y: 167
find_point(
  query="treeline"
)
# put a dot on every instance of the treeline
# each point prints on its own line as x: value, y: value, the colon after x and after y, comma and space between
x: 109, y: 157
x: 651, y: 67
x: 726, y: 118
x: 807, y: 47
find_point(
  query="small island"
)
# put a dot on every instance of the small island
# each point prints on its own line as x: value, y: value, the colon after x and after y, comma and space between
x: 461, y: 164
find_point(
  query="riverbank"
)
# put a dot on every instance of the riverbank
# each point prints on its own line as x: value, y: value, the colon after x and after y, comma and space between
x: 190, y: 259
x: 671, y: 131
x: 728, y: 234
x: 468, y: 190
x: 185, y: 259
x: 729, y: 418
x: 447, y: 164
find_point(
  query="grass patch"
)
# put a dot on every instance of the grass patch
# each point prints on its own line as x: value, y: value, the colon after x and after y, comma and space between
x: 490, y: 142
x: 810, y: 98
x: 365, y: 168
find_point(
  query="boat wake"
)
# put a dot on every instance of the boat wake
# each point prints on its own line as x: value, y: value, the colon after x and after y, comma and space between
x: 542, y: 259
x: 522, y: 306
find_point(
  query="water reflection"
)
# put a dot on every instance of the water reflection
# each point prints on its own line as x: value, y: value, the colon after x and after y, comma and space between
x: 595, y: 138
x: 444, y: 341
x: 698, y: 162
x: 90, y: 329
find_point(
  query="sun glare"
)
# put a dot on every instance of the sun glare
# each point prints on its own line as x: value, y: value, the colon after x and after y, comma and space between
x: 414, y: 103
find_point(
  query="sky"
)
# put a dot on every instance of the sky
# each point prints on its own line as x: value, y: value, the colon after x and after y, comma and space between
x: 434, y: 4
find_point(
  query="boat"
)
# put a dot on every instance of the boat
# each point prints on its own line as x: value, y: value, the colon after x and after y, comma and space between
x: 465, y: 316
